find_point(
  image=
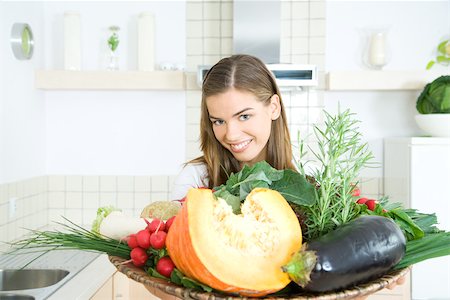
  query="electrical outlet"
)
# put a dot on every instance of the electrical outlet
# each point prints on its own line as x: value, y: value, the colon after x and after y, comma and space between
x: 12, y: 208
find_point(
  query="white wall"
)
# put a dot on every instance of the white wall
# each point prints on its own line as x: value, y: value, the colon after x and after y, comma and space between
x: 115, y: 133
x: 22, y: 110
x: 416, y: 27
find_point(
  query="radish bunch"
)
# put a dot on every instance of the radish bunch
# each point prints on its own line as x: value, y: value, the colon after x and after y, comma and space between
x: 148, y: 247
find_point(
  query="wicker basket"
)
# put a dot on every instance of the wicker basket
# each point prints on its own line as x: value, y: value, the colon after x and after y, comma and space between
x: 162, y: 287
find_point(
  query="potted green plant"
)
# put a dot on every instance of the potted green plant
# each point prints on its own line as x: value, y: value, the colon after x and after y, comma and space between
x: 433, y: 106
x: 443, y: 55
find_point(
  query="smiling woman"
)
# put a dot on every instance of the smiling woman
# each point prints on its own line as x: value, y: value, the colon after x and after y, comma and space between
x: 243, y: 121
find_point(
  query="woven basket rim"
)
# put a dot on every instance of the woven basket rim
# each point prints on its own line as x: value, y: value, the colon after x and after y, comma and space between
x: 164, y: 286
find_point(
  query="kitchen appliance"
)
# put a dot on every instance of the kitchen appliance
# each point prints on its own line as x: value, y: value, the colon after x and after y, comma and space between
x: 417, y: 173
x: 257, y: 31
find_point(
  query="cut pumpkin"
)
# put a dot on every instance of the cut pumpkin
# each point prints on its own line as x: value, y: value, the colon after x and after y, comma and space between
x: 242, y: 253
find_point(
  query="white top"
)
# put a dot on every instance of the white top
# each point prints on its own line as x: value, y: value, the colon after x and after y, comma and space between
x: 193, y: 175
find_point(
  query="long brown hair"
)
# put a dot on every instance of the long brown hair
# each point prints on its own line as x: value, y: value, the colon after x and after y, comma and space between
x: 244, y: 73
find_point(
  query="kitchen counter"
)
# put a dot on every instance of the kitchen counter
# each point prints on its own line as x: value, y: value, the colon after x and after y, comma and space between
x: 88, y: 270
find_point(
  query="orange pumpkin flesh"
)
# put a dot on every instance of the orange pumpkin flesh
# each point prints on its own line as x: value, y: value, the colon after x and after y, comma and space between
x: 235, y: 253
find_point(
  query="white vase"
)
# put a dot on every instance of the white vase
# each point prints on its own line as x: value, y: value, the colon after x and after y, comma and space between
x: 146, y: 42
x: 377, y: 51
x: 72, y: 41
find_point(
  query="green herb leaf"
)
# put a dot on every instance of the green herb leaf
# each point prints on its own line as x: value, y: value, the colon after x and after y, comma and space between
x: 295, y: 188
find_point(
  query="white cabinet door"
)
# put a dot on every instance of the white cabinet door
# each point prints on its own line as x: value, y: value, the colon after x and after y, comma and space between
x: 418, y: 170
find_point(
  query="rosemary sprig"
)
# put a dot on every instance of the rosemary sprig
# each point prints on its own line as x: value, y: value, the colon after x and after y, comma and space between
x: 72, y: 236
x: 341, y: 155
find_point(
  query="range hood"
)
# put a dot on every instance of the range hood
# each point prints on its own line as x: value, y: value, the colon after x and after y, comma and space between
x: 257, y: 31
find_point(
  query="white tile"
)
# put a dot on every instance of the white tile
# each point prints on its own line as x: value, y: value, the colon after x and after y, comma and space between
x: 285, y: 58
x: 317, y: 10
x: 300, y: 59
x: 3, y: 193
x: 226, y: 10
x: 12, y: 190
x: 160, y: 183
x: 43, y: 183
x: 211, y: 59
x: 3, y: 238
x: 315, y: 115
x: 108, y: 198
x: 193, y: 61
x: 194, y: 46
x: 74, y: 200
x: 91, y: 200
x: 286, y: 28
x: 317, y: 59
x: 125, y: 183
x: 88, y: 216
x: 317, y: 27
x: 211, y: 46
x: 211, y: 10
x: 56, y: 183
x: 192, y: 133
x: 299, y: 99
x: 193, y: 115
x: 125, y: 200
x: 74, y: 183
x: 211, y: 28
x: 142, y: 184
x: 54, y: 215
x: 300, y: 45
x: 317, y: 45
x: 315, y: 98
x: 286, y: 10
x: 74, y: 215
x: 226, y: 46
x: 91, y: 184
x: 194, y: 29
x: 56, y: 199
x: 20, y: 188
x: 300, y: 10
x: 192, y: 150
x: 4, y: 211
x: 300, y: 28
x: 299, y: 115
x: 194, y: 99
x: 108, y: 183
x: 161, y: 196
x: 226, y: 28
x: 194, y: 10
x: 141, y: 200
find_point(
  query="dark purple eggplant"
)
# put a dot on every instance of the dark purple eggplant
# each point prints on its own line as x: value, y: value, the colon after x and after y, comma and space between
x: 356, y: 252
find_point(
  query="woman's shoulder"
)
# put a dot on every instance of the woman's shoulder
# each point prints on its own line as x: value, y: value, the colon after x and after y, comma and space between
x: 192, y: 175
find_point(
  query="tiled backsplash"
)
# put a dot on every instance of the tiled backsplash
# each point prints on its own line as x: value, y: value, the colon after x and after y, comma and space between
x: 43, y: 200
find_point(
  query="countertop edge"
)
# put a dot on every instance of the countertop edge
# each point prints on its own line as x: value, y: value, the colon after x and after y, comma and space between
x: 91, y: 278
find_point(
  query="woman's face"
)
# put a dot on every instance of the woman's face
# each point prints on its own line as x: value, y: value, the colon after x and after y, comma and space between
x: 242, y: 124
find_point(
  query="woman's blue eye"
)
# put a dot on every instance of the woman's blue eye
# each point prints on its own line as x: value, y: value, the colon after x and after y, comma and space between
x: 244, y: 117
x: 217, y: 122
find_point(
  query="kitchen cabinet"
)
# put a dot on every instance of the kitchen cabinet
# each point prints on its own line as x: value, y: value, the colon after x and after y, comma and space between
x: 380, y: 80
x: 417, y: 174
x: 120, y: 287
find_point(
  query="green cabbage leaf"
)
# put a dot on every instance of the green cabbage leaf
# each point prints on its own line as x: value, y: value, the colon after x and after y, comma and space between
x: 435, y: 97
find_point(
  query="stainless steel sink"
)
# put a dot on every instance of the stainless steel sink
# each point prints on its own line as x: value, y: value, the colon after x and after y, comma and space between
x: 24, y: 279
x: 16, y: 297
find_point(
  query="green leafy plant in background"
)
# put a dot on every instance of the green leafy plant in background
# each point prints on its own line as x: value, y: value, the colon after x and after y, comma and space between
x: 113, y: 41
x: 435, y: 97
x: 443, y: 55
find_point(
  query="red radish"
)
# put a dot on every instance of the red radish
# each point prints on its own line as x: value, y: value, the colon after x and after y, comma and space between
x: 143, y: 238
x: 371, y: 204
x: 156, y: 225
x: 132, y: 241
x: 158, y: 240
x: 165, y: 266
x: 356, y: 192
x: 362, y: 200
x: 169, y: 223
x: 138, y: 256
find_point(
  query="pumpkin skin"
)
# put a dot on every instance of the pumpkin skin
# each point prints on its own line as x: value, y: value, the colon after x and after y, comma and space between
x: 240, y: 254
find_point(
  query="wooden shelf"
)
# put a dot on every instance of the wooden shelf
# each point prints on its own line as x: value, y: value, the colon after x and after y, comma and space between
x: 109, y: 80
x: 380, y: 80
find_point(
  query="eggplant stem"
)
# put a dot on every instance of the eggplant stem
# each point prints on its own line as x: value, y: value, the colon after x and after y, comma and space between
x: 300, y: 266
